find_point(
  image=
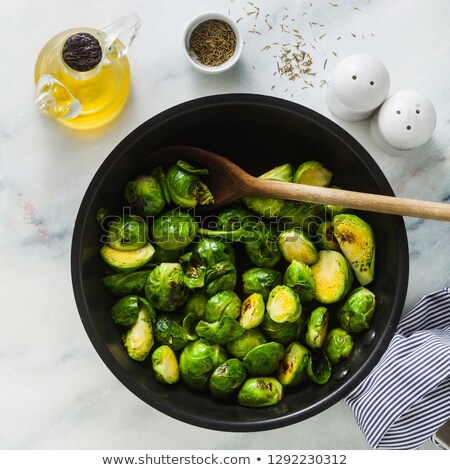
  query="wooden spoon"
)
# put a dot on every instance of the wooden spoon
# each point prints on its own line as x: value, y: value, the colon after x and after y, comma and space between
x: 228, y: 182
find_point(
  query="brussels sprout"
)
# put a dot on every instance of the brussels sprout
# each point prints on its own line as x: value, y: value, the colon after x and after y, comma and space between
x: 196, y: 304
x: 295, y: 245
x: 333, y: 277
x: 261, y: 280
x: 313, y: 173
x: 234, y: 218
x: 223, y: 304
x: 227, y: 378
x: 319, y: 369
x: 160, y: 175
x: 127, y: 233
x: 357, y: 242
x: 126, y: 310
x: 357, y: 312
x: 260, y: 391
x: 252, y: 311
x: 301, y: 215
x: 145, y: 195
x: 165, y: 287
x: 221, y: 331
x: 174, y: 230
x: 334, y: 210
x: 169, y: 331
x: 166, y: 256
x: 283, y: 333
x: 194, y: 275
x: 189, y: 324
x: 261, y: 247
x: 247, y: 341
x: 165, y: 365
x: 338, y: 345
x: 127, y: 261
x: 264, y: 359
x: 185, y: 187
x: 126, y: 283
x: 316, y: 328
x: 197, y: 362
x: 267, y: 206
x: 209, y: 251
x: 283, y: 305
x: 298, y: 276
x: 220, y: 277
x: 138, y: 339
x: 325, y: 237
x: 294, y: 365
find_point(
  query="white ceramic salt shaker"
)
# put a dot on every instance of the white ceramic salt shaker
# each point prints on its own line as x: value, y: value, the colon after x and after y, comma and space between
x: 405, y: 121
x: 357, y: 87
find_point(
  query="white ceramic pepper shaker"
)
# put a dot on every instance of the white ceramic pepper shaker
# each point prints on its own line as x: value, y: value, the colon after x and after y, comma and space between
x: 405, y: 121
x: 357, y: 87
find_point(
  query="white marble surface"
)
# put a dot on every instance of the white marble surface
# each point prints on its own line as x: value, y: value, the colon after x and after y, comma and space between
x: 56, y: 393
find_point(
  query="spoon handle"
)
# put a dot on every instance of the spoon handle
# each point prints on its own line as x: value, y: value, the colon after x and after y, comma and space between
x: 352, y: 199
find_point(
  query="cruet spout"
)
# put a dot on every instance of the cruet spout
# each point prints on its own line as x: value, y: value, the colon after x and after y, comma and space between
x: 54, y: 99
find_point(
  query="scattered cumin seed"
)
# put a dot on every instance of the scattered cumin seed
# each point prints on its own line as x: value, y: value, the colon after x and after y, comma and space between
x: 353, y: 34
x: 325, y: 64
x: 334, y: 53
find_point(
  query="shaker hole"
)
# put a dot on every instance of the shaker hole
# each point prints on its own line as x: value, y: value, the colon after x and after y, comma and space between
x: 417, y: 111
x: 354, y: 77
x: 372, y: 83
x: 398, y: 111
x: 408, y: 127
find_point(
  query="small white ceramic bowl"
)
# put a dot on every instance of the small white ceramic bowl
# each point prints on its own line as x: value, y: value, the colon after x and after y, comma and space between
x: 196, y: 64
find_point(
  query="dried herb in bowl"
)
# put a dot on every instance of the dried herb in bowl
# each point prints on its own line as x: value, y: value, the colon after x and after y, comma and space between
x: 213, y: 42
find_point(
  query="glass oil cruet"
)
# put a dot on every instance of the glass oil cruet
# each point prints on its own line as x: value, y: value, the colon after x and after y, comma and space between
x: 82, y: 75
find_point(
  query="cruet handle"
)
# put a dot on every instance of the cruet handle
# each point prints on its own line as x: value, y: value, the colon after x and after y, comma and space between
x: 119, y: 35
x: 54, y: 99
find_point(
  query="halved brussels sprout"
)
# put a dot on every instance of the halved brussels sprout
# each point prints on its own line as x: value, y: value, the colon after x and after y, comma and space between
x: 138, y: 339
x: 261, y: 246
x: 126, y: 310
x: 325, y: 237
x: 145, y: 194
x: 260, y: 391
x: 338, y: 345
x: 165, y: 365
x: 283, y: 305
x: 227, y: 378
x: 246, y: 342
x: 294, y: 365
x: 264, y: 359
x: 127, y: 233
x: 283, y: 333
x: 174, y: 230
x: 333, y: 277
x: 357, y: 242
x: 295, y: 245
x: 261, y: 280
x: 220, y: 277
x: 313, y: 173
x: 267, y: 206
x: 165, y: 287
x: 220, y: 331
x: 225, y: 303
x: 185, y: 187
x: 169, y: 331
x: 298, y: 276
x: 252, y: 311
x: 126, y: 283
x: 127, y: 261
x: 319, y: 369
x: 197, y: 362
x: 357, y: 312
x: 316, y: 328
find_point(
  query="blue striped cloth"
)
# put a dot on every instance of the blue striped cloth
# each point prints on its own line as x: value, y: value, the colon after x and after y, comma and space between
x: 406, y: 398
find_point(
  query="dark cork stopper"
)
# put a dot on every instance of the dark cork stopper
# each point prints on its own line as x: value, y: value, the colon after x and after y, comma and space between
x: 82, y: 52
